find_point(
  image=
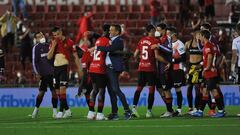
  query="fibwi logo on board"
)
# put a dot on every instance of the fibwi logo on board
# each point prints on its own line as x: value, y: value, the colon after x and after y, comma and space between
x: 11, y: 100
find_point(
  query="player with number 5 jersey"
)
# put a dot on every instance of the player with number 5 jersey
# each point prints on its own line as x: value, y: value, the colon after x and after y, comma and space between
x: 146, y: 69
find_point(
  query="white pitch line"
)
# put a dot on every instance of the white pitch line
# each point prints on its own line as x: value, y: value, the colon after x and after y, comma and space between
x: 121, y: 126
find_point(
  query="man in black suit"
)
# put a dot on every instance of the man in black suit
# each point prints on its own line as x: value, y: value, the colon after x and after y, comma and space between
x: 115, y: 65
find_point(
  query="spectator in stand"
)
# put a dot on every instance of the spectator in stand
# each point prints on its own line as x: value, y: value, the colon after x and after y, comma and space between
x: 201, y: 5
x: 184, y: 12
x: 2, y: 66
x: 197, y: 20
x: 209, y: 10
x: 155, y: 12
x: 16, y: 4
x: 85, y: 24
x: 25, y: 41
x: 8, y: 23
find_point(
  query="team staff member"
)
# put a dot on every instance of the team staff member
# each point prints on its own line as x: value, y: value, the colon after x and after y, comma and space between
x: 44, y: 69
x: 60, y: 50
x: 115, y: 66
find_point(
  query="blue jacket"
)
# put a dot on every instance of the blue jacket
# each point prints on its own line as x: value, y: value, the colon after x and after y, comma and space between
x: 41, y: 65
x: 116, y: 59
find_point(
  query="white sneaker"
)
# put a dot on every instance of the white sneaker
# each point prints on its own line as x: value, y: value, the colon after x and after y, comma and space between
x: 100, y: 116
x: 193, y: 111
x: 179, y: 112
x: 166, y: 115
x: 54, y: 113
x: 67, y: 114
x: 59, y: 115
x: 35, y: 113
x: 135, y: 113
x: 149, y: 114
x: 91, y: 115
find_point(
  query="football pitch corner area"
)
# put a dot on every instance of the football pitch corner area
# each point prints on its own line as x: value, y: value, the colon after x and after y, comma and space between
x: 15, y: 121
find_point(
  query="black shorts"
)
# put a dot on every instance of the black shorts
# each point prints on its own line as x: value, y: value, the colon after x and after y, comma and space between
x: 178, y: 78
x: 60, y: 76
x: 194, y: 77
x: 211, y: 83
x: 146, y: 78
x: 164, y: 81
x: 99, y: 79
x: 46, y: 81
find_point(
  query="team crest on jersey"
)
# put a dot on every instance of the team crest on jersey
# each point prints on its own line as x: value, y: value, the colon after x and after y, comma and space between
x: 207, y: 50
x: 97, y: 42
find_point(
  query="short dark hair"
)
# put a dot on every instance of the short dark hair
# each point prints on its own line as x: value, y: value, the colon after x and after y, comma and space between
x: 173, y: 30
x: 205, y: 33
x: 117, y: 27
x: 162, y: 26
x: 106, y: 27
x: 149, y: 28
x: 35, y: 34
x: 207, y: 26
x: 55, y: 29
x: 238, y: 28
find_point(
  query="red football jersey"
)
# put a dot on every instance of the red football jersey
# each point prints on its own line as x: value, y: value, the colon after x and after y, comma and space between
x: 65, y: 47
x: 209, y: 48
x: 98, y: 63
x: 86, y: 57
x: 147, y: 56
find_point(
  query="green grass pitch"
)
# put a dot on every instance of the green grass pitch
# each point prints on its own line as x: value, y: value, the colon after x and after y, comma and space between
x: 15, y: 121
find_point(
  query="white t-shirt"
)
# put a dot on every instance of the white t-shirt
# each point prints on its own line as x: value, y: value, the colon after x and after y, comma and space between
x: 236, y: 46
x: 178, y: 49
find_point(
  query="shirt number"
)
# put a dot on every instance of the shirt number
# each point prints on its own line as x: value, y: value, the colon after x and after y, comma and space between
x: 96, y: 55
x: 144, y: 52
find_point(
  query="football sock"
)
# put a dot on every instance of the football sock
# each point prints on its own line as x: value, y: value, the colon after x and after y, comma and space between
x: 137, y: 95
x: 151, y: 97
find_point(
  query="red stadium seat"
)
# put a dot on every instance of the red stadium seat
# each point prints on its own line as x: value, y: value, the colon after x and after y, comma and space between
x: 122, y: 16
x: 36, y: 16
x: 88, y: 8
x: 135, y: 8
x: 77, y: 8
x: 52, y: 8
x: 124, y: 8
x: 113, y: 8
x: 40, y: 9
x: 98, y: 16
x: 50, y: 16
x: 99, y: 8
x: 110, y: 16
x: 142, y: 23
x: 133, y: 16
x: 74, y: 16
x: 131, y: 24
x: 145, y: 16
x: 63, y: 8
x: 62, y: 16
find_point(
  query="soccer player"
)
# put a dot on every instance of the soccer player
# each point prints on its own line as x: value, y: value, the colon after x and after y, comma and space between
x: 43, y: 68
x: 146, y: 69
x: 60, y: 50
x: 164, y: 80
x: 178, y: 59
x: 235, y: 54
x: 214, y: 41
x: 97, y: 72
x: 85, y: 85
x: 194, y: 53
x: 210, y: 75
